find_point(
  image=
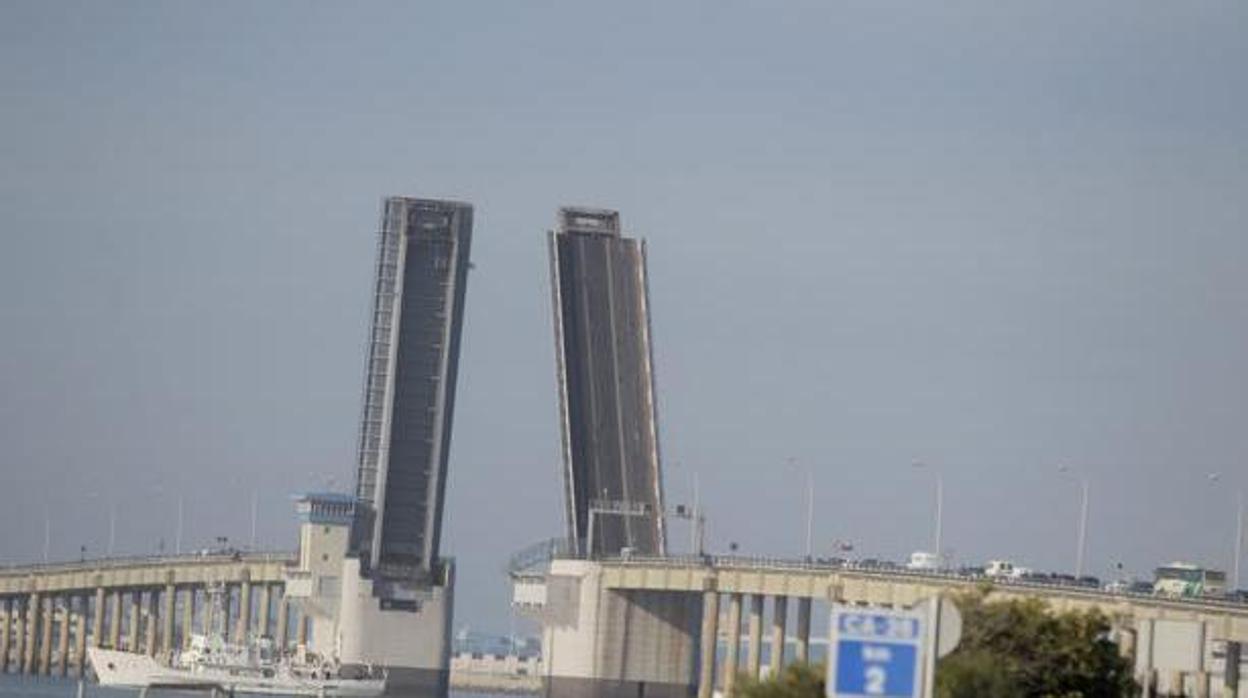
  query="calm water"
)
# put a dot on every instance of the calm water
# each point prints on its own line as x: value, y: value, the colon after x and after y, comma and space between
x: 25, y: 687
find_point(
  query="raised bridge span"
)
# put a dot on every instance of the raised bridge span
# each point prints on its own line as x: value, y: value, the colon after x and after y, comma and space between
x: 50, y: 613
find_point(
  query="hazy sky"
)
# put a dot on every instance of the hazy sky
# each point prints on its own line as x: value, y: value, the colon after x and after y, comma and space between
x: 993, y: 236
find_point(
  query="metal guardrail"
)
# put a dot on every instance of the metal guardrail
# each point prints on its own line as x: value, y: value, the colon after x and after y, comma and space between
x: 754, y: 563
x: 538, y: 553
x: 111, y: 563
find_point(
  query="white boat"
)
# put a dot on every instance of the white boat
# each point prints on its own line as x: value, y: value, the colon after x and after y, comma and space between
x: 211, y: 663
x: 225, y: 672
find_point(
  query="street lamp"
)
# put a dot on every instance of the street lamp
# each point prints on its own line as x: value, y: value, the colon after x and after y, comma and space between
x: 695, y: 515
x: 1239, y: 530
x: 1083, y: 517
x: 177, y: 544
x: 112, y: 521
x: 255, y: 506
x: 47, y: 534
x: 810, y: 507
x: 940, y: 505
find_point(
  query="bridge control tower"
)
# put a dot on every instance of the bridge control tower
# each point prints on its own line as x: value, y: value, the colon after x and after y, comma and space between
x: 396, y: 590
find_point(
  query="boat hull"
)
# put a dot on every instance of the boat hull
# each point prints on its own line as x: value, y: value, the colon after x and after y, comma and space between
x: 129, y: 670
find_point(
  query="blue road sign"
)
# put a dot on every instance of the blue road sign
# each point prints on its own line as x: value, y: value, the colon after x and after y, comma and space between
x: 875, y: 652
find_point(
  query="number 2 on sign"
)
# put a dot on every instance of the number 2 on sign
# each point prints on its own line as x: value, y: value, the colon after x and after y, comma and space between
x: 876, y: 680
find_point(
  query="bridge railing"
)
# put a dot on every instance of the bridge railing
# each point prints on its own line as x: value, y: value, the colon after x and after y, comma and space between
x: 104, y: 563
x: 539, y: 553
x: 754, y: 562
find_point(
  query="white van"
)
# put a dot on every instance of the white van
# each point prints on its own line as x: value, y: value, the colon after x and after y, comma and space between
x: 920, y: 560
x: 1004, y: 569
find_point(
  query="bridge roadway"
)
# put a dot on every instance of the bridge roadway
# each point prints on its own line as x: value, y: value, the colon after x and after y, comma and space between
x: 739, y: 578
x: 44, y: 607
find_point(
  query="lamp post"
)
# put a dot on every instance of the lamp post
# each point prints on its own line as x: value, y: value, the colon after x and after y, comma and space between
x: 177, y: 541
x: 1082, y: 541
x: 47, y: 534
x: 1239, y: 530
x: 112, y: 521
x: 940, y: 506
x: 695, y: 514
x: 810, y: 507
x: 255, y: 506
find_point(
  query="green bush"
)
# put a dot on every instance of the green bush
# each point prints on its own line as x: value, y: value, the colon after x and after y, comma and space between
x: 1022, y: 648
x: 798, y: 680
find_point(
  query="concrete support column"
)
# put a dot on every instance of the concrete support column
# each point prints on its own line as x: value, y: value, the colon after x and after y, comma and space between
x: 188, y: 616
x: 167, y: 616
x: 80, y: 636
x: 209, y: 611
x: 779, y: 619
x: 803, y: 629
x: 97, y: 620
x: 45, y: 638
x: 149, y: 628
x: 6, y: 627
x: 710, y: 638
x: 114, y: 623
x: 754, y: 660
x: 301, y: 628
x: 226, y: 610
x: 733, y: 635
x: 33, y: 604
x: 19, y: 635
x: 62, y: 641
x: 1230, y: 682
x: 135, y: 631
x: 283, y: 620
x: 1202, y: 684
x: 1176, y: 683
x: 262, y: 610
x: 244, y: 610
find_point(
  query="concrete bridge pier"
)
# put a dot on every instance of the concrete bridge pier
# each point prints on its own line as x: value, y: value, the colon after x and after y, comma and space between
x: 114, y: 622
x: 188, y: 616
x: 132, y: 632
x: 1148, y: 683
x: 600, y: 642
x: 31, y: 636
x: 244, y: 608
x: 227, y: 617
x: 62, y: 640
x: 283, y: 620
x: 45, y: 637
x: 754, y: 661
x: 80, y: 636
x: 732, y: 634
x: 802, y: 653
x: 301, y: 628
x: 19, y: 635
x: 1201, y: 679
x: 779, y: 621
x: 168, y: 614
x: 1230, y: 683
x: 1175, y: 683
x: 6, y: 626
x: 149, y: 627
x: 710, y: 639
x: 97, y: 619
x: 262, y: 611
